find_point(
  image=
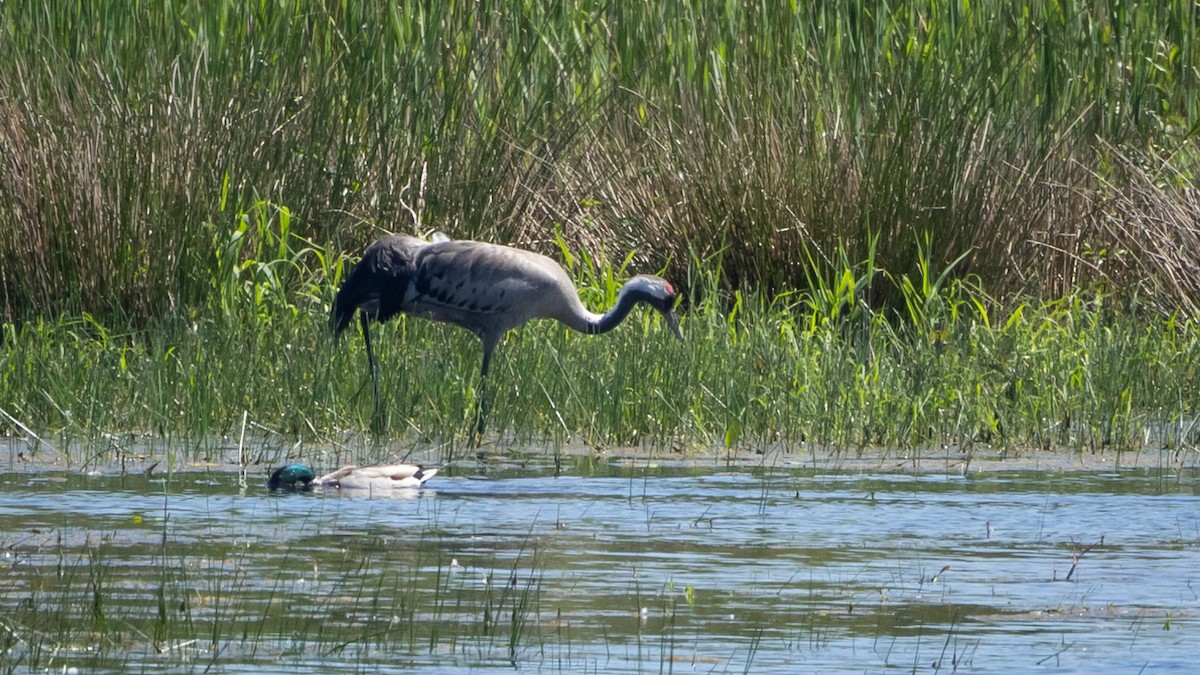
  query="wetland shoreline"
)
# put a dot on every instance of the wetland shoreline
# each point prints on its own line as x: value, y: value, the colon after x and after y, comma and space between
x: 224, y: 457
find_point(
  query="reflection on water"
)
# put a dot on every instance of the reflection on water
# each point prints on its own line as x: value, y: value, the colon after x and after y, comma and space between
x: 607, y: 568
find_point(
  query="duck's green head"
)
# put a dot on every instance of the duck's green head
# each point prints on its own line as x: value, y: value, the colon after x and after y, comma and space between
x: 291, y: 477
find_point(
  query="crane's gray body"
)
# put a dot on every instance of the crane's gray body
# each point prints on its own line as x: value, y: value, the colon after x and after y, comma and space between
x: 485, y: 288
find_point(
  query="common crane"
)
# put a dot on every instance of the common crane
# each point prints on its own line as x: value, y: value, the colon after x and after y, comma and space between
x: 486, y: 288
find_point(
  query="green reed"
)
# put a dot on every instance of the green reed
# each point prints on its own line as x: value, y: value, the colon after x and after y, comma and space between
x: 1046, y: 142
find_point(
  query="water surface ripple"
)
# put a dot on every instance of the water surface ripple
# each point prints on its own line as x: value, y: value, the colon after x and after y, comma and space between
x: 605, y: 569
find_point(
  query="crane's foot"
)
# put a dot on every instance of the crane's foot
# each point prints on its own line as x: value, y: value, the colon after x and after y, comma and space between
x: 481, y: 408
x: 477, y: 434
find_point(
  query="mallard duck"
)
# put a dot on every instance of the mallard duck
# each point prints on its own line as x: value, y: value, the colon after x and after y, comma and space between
x: 376, y: 477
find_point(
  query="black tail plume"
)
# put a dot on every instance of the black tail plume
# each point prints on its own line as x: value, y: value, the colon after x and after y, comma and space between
x: 377, y: 283
x: 347, y: 300
x: 341, y: 314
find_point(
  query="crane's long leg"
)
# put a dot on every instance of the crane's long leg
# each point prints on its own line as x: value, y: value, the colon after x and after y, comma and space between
x: 366, y: 331
x: 481, y: 400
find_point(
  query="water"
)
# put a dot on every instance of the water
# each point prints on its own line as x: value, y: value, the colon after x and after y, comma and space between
x: 622, y: 566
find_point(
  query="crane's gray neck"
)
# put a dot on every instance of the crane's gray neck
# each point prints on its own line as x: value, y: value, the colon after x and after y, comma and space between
x: 631, y: 294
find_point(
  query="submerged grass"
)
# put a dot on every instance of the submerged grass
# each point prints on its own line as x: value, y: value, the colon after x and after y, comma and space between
x: 193, y: 572
x: 113, y: 601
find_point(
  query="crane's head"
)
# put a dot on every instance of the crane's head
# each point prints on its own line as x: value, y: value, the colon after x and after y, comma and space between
x: 291, y: 477
x: 659, y: 294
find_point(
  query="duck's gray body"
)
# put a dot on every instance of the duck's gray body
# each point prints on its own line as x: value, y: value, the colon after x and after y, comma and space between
x: 486, y: 288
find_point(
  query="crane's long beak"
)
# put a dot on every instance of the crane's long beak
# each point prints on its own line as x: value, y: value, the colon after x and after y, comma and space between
x: 673, y: 322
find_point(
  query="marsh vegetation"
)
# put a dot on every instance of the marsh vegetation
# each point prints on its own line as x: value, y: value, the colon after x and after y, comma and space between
x: 922, y: 231
x: 934, y: 223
